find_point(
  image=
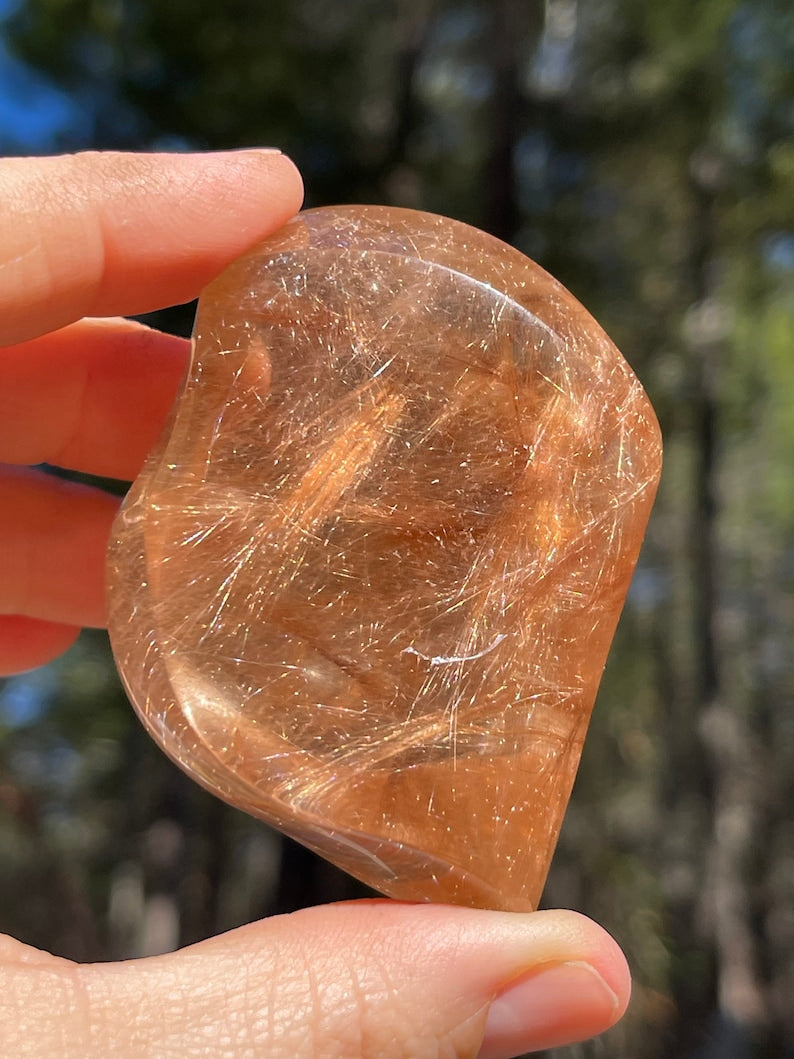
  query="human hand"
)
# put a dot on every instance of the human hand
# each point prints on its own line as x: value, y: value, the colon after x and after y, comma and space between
x: 103, y: 235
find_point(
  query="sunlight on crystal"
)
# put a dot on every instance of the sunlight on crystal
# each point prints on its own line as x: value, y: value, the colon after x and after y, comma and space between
x: 377, y: 564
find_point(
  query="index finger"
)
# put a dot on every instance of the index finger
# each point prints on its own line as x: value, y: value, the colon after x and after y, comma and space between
x: 109, y: 234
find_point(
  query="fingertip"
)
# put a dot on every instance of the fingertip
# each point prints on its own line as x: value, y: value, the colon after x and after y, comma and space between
x: 611, y: 964
x: 27, y: 643
x: 575, y: 985
x: 195, y: 214
x: 260, y: 187
x: 548, y: 1007
x: 105, y: 234
x: 291, y: 181
x: 587, y: 941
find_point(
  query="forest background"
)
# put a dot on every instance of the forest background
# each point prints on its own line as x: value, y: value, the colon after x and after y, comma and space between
x: 641, y: 152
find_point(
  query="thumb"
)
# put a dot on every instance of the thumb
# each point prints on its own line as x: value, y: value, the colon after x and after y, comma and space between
x: 374, y: 979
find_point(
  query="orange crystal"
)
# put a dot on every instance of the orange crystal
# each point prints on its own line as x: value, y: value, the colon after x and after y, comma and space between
x: 366, y: 585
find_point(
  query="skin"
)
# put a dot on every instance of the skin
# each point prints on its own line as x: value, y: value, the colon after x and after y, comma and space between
x: 86, y: 239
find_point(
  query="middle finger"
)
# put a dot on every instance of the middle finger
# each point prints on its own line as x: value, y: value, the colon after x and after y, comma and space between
x: 91, y: 397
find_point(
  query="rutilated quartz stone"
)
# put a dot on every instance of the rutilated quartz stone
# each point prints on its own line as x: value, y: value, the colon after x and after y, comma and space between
x: 366, y: 585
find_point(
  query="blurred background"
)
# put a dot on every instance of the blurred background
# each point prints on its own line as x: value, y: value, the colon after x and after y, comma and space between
x: 643, y: 153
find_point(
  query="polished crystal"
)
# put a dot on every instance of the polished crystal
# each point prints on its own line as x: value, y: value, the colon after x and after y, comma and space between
x: 366, y: 585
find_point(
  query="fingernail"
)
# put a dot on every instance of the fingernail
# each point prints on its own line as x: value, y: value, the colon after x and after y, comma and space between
x: 546, y: 1009
x: 252, y: 150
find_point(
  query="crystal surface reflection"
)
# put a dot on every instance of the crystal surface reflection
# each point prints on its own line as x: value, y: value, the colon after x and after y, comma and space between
x: 366, y: 585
